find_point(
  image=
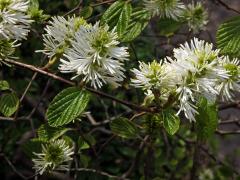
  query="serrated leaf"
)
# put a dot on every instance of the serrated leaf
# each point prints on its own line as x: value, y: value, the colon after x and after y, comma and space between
x: 9, y: 103
x: 86, y: 12
x: 167, y: 27
x: 124, y: 128
x: 67, y: 106
x: 206, y: 119
x: 124, y: 19
x: 84, y: 160
x: 171, y: 121
x: 118, y: 14
x: 82, y: 144
x: 138, y: 21
x: 228, y: 37
x: 112, y: 12
x: 33, y: 145
x: 4, y: 85
x: 46, y: 132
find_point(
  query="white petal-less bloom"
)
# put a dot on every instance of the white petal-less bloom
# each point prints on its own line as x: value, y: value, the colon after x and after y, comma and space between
x: 151, y: 76
x: 15, y: 23
x: 55, y: 155
x: 196, y: 17
x: 229, y: 85
x: 198, y: 70
x: 165, y: 8
x: 95, y: 56
x: 186, y: 101
x: 58, y: 34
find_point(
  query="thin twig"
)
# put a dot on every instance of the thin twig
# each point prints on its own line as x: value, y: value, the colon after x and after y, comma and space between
x: 74, y: 9
x: 217, y: 160
x: 11, y: 119
x: 98, y: 172
x: 221, y: 132
x: 40, y: 99
x: 136, y: 159
x: 126, y: 103
x: 24, y: 94
x: 229, y: 105
x: 101, y: 3
x: 226, y: 6
x: 13, y: 167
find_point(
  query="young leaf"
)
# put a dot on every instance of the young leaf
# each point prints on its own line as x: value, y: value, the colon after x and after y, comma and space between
x: 9, y: 103
x: 167, y: 27
x: 124, y: 128
x: 118, y: 14
x: 124, y: 19
x: 46, y: 132
x: 83, y: 144
x: 171, y: 121
x: 228, y: 37
x: 138, y: 21
x: 206, y: 119
x: 67, y: 106
x: 86, y: 12
x: 4, y: 85
x: 31, y: 146
x: 84, y: 160
x: 111, y: 15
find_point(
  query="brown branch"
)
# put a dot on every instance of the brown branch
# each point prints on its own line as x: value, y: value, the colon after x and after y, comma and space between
x: 74, y: 9
x: 196, y: 160
x: 217, y: 160
x: 12, y: 119
x: 230, y: 105
x: 101, y: 3
x: 136, y: 159
x: 226, y: 6
x: 41, y: 71
x: 221, y: 132
x: 206, y: 151
x: 98, y: 172
x: 13, y: 167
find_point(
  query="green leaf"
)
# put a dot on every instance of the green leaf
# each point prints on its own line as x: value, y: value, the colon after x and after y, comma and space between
x: 33, y: 145
x: 171, y: 121
x: 9, y: 103
x: 86, y: 12
x: 138, y: 21
x: 111, y: 15
x: 228, y: 37
x: 84, y: 160
x: 118, y: 14
x: 67, y: 106
x: 124, y: 128
x: 167, y: 27
x: 36, y: 13
x: 46, y: 132
x: 206, y: 119
x: 4, y: 85
x: 124, y: 19
x: 82, y: 144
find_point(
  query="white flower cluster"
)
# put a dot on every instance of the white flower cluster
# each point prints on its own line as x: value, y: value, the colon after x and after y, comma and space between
x: 196, y: 17
x: 54, y: 155
x: 165, y: 8
x: 14, y: 21
x: 90, y: 51
x: 195, y: 70
x: 59, y: 32
x: 193, y: 14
